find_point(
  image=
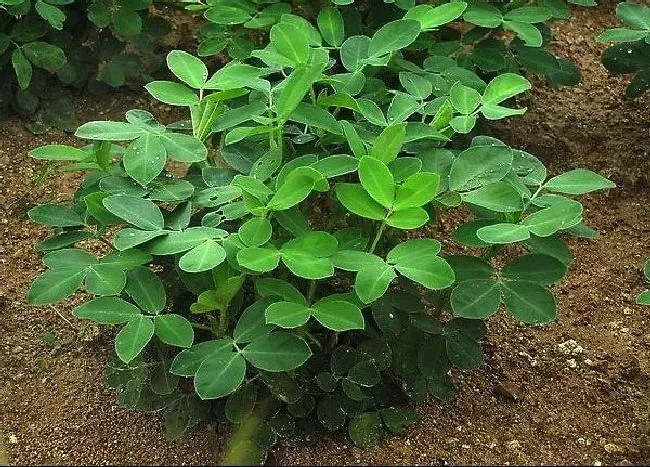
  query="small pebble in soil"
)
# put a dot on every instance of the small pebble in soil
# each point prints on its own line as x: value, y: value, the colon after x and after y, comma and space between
x: 513, y: 444
x: 13, y: 439
x: 509, y: 390
x: 571, y: 363
x: 570, y: 347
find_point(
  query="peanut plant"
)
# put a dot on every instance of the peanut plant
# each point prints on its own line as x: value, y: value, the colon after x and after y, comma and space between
x: 274, y: 260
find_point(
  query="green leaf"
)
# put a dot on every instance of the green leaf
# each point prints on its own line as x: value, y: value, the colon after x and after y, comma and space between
x: 174, y: 330
x: 415, y: 85
x: 365, y: 430
x: 184, y: 148
x: 408, y: 218
x: 145, y: 158
x: 255, y: 232
x: 43, y: 55
x: 463, y: 124
x: 296, y: 87
x: 371, y: 112
x: 178, y: 242
x: 643, y: 298
x: 464, y: 99
x: 189, y: 69
x: 105, y: 279
x: 188, y: 362
x: 410, y: 250
x: 353, y: 260
x: 621, y: 35
x: 404, y: 167
x: 538, y: 268
x: 353, y: 51
x: 634, y: 15
x: 278, y: 351
x: 331, y: 26
x: 480, y: 165
x: 295, y: 189
x: 529, y: 33
x: 396, y: 420
x: 172, y: 93
x: 203, y: 257
x: 22, y: 68
x: 578, y: 182
x: 241, y: 403
x: 418, y: 190
x: 529, y: 302
x: 50, y: 13
x: 503, y: 87
x: 529, y: 14
x: 55, y: 285
x: 291, y: 41
x: 136, y: 211
x: 127, y: 22
x: 59, y: 152
x: 338, y: 315
x: 252, y: 322
x: 498, y: 197
x: 364, y: 373
x: 287, y: 314
x: 434, y: 17
x: 486, y: 16
x: 258, y: 259
x: 62, y: 240
x: 270, y: 286
x: 358, y: 201
x: 431, y: 271
x: 146, y: 289
x: 55, y: 215
x: 220, y: 375
x: 133, y: 337
x: 476, y: 298
x: 377, y: 180
x: 70, y: 258
x: 393, y: 36
x: 503, y: 233
x: 108, y: 131
x: 463, y: 348
x: 107, y: 310
x: 372, y: 282
x: 556, y: 217
x: 337, y: 165
x: 316, y: 117
x: 128, y: 238
x: 389, y: 143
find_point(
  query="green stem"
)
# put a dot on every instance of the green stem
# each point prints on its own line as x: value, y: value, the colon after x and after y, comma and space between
x: 312, y: 291
x: 200, y: 326
x: 380, y: 231
x: 223, y: 321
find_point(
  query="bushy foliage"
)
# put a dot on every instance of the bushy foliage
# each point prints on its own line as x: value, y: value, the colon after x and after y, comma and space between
x: 50, y: 46
x: 631, y: 54
x: 274, y: 258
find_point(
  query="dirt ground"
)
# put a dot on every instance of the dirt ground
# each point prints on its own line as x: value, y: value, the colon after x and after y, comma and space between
x: 583, y: 382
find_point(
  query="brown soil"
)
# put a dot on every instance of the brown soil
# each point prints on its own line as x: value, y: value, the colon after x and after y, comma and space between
x: 588, y: 407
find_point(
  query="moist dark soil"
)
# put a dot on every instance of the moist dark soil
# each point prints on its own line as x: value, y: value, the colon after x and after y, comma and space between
x: 573, y: 392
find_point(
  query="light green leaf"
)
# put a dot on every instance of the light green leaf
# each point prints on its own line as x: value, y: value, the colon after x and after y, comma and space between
x: 188, y: 362
x: 371, y: 112
x: 556, y: 217
x: 434, y: 17
x: 59, y: 152
x: 270, y: 286
x: 464, y: 99
x: 258, y: 259
x: 287, y: 314
x: 503, y: 87
x: 331, y: 26
x: 498, y: 197
x: 389, y: 143
x: 393, y: 36
x: 105, y: 279
x: 408, y: 218
x: 189, y: 69
x: 139, y: 212
x: 354, y: 260
x: 503, y: 233
x: 278, y: 351
x: 291, y: 41
x: 109, y: 131
x: 252, y: 322
x: 133, y: 337
x: 55, y: 285
x: 219, y: 375
x: 184, y: 148
x: 358, y: 201
x: 256, y: 231
x: 634, y: 15
x: 338, y: 316
x: 377, y: 180
x: 107, y: 310
x: 295, y: 87
x: 480, y: 165
x: 178, y: 242
x: 22, y: 68
x: 529, y: 33
x: 146, y: 289
x: 145, y: 158
x: 578, y: 182
x: 203, y: 257
x: 417, y: 190
x: 372, y: 282
x: 174, y: 330
x: 55, y: 215
x: 172, y: 93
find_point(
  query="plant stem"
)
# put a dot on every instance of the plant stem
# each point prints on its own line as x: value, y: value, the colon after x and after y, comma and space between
x: 380, y: 231
x: 312, y: 291
x: 200, y: 326
x: 223, y: 322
